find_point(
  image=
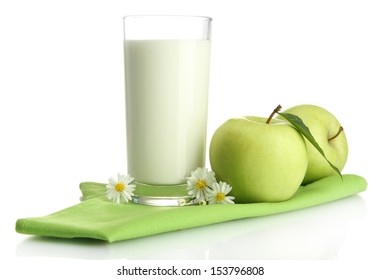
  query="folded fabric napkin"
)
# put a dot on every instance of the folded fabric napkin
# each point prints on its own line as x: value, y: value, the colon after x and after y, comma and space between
x: 98, y: 218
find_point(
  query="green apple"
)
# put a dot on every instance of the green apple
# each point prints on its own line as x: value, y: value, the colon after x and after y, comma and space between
x: 329, y: 134
x: 262, y: 162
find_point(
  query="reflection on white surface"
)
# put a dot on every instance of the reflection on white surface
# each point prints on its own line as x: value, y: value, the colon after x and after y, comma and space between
x: 313, y: 233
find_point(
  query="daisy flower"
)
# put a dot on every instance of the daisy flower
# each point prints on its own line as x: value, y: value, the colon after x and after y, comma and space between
x: 120, y: 189
x: 198, y: 183
x: 217, y: 194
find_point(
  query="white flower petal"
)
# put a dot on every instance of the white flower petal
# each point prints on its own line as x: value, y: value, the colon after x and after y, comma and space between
x: 212, y: 201
x: 217, y: 194
x: 126, y: 196
x: 229, y: 199
x: 109, y: 187
x: 112, y: 181
x: 199, y: 174
x: 120, y: 178
x: 131, y: 188
x: 116, y: 196
x: 129, y: 180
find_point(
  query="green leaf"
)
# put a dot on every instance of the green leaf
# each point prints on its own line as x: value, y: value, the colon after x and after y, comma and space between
x: 305, y: 131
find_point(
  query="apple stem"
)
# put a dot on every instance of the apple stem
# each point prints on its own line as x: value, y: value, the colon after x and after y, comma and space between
x: 278, y: 109
x: 336, y: 135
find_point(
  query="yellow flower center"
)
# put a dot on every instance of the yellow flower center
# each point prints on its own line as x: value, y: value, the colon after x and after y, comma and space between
x: 201, y: 184
x: 119, y: 187
x: 220, y: 196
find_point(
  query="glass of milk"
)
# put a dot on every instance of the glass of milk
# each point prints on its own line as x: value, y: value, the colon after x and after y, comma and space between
x: 167, y: 61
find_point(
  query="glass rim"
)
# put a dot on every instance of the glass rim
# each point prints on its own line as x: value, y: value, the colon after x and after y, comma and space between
x: 205, y: 18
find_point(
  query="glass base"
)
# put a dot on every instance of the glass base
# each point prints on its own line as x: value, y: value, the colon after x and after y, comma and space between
x: 156, y: 195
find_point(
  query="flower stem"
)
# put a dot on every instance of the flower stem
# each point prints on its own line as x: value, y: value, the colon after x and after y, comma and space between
x: 278, y: 108
x: 336, y: 135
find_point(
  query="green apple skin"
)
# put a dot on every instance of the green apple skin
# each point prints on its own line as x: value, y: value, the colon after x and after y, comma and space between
x: 262, y: 162
x: 323, y: 125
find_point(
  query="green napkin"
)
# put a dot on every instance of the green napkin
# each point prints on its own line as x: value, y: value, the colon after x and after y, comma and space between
x: 98, y: 218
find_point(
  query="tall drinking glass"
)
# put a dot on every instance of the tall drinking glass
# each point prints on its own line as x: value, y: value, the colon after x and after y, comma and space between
x: 166, y: 61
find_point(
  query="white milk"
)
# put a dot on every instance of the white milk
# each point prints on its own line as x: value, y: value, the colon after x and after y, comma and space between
x: 166, y: 102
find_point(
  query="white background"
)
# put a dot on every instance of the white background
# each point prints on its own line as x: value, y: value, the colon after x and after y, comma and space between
x: 62, y: 122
